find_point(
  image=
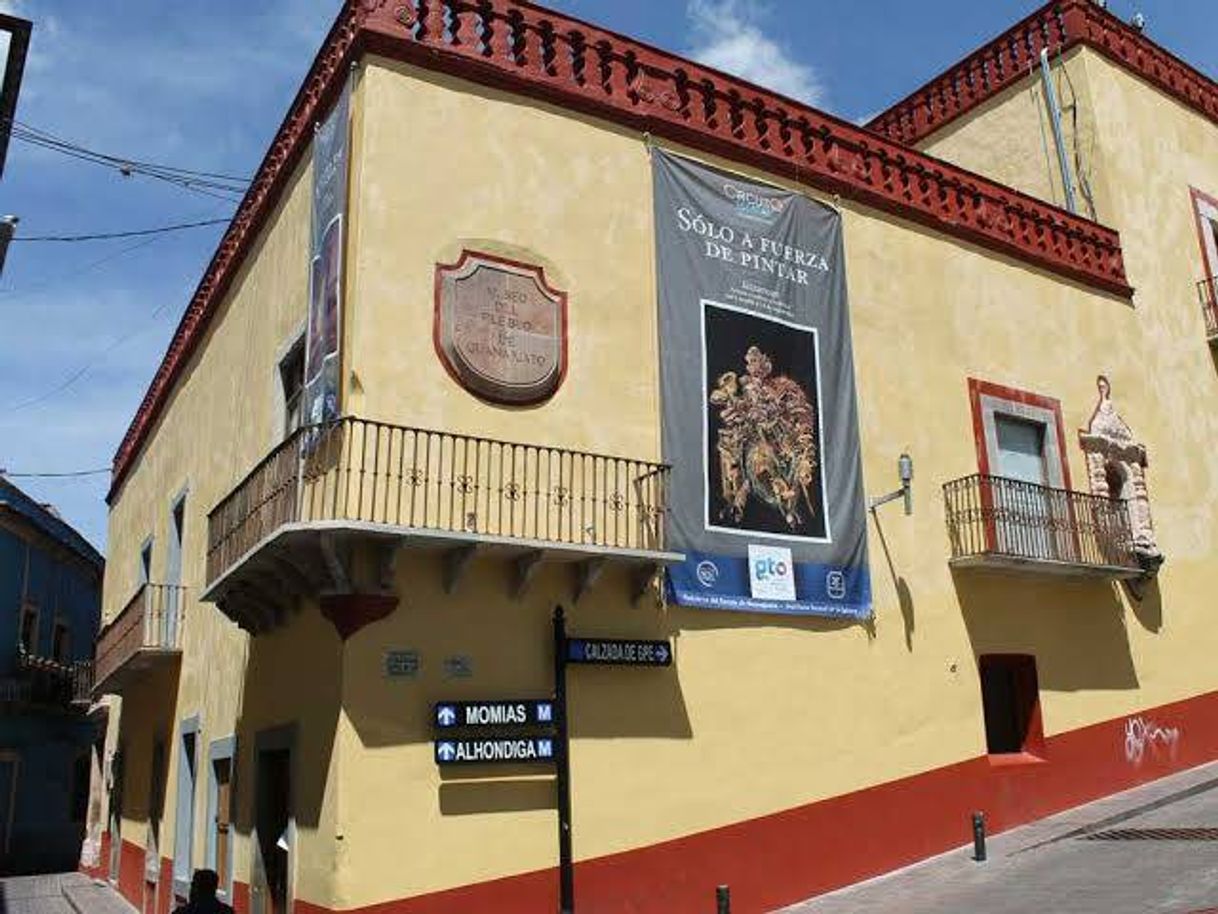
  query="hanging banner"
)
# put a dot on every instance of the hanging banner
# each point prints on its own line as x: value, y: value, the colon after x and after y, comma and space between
x: 322, y: 356
x: 759, y: 414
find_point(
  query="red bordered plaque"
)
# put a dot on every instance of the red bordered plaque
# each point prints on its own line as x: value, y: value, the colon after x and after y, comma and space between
x: 500, y: 329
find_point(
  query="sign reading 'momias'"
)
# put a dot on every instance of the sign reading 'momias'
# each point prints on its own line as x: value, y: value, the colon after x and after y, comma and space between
x: 529, y: 712
x: 757, y: 380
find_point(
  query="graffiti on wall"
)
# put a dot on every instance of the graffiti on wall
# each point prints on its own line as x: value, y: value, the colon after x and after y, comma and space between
x: 1144, y: 736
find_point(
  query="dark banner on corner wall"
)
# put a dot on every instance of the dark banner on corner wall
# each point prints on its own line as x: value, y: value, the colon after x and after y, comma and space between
x: 323, y: 360
x: 759, y: 414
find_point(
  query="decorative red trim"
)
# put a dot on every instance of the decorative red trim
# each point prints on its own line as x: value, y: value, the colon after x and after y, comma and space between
x: 1195, y: 195
x: 523, y: 48
x: 978, y: 388
x: 349, y: 612
x: 779, y: 859
x: 1058, y: 26
x: 539, y: 272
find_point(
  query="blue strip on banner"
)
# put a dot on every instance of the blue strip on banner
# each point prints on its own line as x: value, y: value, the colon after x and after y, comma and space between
x: 722, y: 582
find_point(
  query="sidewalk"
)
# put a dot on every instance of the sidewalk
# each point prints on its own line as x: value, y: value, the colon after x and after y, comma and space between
x: 63, y: 893
x: 1151, y: 850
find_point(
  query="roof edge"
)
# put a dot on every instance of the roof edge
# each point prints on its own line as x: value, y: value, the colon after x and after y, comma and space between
x: 1058, y: 26
x: 526, y: 49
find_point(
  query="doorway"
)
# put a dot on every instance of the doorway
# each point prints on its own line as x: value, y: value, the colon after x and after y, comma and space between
x: 272, y: 823
x: 9, y: 763
x: 115, y: 816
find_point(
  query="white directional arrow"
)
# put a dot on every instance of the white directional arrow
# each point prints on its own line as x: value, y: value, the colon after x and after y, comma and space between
x: 662, y: 653
x: 446, y: 715
x: 446, y: 752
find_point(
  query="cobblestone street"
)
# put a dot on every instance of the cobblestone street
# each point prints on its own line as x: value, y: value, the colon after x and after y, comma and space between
x: 1153, y: 850
x: 67, y: 893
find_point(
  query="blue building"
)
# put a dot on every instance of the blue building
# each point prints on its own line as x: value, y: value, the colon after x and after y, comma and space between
x: 50, y: 598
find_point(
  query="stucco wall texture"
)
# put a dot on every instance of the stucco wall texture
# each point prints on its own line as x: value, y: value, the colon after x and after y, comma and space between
x: 440, y: 165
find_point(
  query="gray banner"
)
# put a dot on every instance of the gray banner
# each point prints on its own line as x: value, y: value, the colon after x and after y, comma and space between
x: 759, y: 413
x: 322, y: 343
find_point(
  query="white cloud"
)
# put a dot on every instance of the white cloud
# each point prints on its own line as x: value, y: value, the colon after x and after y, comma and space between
x: 728, y: 36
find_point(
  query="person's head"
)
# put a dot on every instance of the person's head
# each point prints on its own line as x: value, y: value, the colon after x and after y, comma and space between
x: 204, y: 885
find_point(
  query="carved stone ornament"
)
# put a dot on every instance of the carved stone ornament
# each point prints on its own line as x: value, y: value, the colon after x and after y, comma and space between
x: 500, y: 329
x: 1116, y: 468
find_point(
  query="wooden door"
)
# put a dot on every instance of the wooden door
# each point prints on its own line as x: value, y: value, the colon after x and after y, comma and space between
x: 223, y: 822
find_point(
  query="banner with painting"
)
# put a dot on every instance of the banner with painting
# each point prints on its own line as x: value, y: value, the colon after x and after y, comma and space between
x: 759, y: 413
x: 323, y: 359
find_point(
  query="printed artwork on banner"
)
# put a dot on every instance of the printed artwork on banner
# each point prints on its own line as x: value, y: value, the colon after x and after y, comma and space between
x: 762, y: 433
x: 323, y: 337
x: 759, y: 411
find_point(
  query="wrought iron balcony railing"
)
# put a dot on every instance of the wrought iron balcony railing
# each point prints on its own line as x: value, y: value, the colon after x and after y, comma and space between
x: 360, y: 472
x: 1000, y: 522
x: 47, y: 682
x: 1207, y: 291
x: 147, y: 631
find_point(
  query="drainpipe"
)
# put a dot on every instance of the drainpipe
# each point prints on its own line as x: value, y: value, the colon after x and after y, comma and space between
x: 1055, y: 118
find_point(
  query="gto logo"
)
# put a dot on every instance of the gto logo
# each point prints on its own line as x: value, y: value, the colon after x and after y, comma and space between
x: 751, y: 203
x: 766, y: 568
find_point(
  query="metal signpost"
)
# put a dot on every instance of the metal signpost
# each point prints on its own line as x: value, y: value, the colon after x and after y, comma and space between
x: 598, y: 651
x: 462, y: 737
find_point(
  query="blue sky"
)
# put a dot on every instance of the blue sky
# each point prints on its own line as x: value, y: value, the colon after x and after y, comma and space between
x: 204, y: 86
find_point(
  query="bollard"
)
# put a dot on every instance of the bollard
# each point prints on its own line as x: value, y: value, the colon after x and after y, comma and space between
x: 979, y: 837
x: 723, y: 898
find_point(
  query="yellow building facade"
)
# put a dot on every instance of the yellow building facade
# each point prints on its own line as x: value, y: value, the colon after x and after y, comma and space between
x: 285, y: 607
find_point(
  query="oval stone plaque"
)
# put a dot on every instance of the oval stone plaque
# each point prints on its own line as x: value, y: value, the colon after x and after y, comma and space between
x: 500, y: 329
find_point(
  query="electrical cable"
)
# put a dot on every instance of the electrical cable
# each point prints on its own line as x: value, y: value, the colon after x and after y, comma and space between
x: 88, y: 366
x: 106, y: 236
x: 64, y: 475
x: 212, y: 184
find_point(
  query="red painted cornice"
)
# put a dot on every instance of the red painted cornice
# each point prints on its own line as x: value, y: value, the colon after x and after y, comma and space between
x: 528, y: 50
x: 1058, y: 26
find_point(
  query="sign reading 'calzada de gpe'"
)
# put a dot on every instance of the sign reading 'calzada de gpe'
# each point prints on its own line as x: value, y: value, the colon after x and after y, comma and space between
x: 759, y: 414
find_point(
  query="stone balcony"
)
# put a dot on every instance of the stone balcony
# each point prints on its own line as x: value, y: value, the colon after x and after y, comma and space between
x: 324, y: 513
x: 1010, y: 525
x: 145, y: 636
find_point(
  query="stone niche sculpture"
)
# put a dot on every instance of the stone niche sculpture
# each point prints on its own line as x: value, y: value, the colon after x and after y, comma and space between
x: 1116, y: 468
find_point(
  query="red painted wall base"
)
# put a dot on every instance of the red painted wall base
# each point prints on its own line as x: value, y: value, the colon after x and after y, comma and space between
x: 779, y: 859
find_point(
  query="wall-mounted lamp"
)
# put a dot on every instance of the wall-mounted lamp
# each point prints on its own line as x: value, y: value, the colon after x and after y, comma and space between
x: 905, y: 471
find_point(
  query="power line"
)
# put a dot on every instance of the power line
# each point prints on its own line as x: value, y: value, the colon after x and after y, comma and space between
x: 65, y: 475
x: 105, y: 236
x: 88, y: 366
x: 212, y: 184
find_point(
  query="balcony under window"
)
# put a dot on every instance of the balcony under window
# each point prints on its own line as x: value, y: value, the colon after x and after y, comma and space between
x: 47, y: 684
x: 333, y: 502
x: 144, y: 637
x: 1207, y: 291
x: 1008, y: 524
